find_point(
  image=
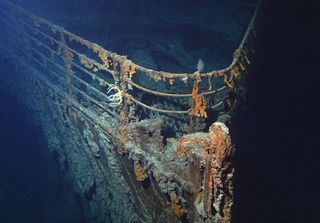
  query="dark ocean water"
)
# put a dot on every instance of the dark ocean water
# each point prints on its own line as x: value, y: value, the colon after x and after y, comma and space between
x: 277, y: 154
x: 32, y: 188
x: 278, y: 151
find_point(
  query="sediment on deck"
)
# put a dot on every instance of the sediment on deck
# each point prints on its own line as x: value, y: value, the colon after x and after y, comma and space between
x: 135, y: 151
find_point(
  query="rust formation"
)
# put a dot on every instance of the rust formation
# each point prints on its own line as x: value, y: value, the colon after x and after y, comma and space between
x: 145, y: 152
x: 212, y: 153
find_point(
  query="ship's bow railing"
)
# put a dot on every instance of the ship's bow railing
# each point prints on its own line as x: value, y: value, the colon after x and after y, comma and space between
x: 133, y: 104
x: 91, y: 74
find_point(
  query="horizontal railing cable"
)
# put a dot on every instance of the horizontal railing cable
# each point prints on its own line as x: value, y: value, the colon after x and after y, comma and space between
x: 22, y: 19
x: 74, y: 76
x: 75, y: 52
x: 74, y: 87
x: 119, y: 58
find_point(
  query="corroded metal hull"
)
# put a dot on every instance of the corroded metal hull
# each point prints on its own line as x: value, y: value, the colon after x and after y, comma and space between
x: 109, y: 142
